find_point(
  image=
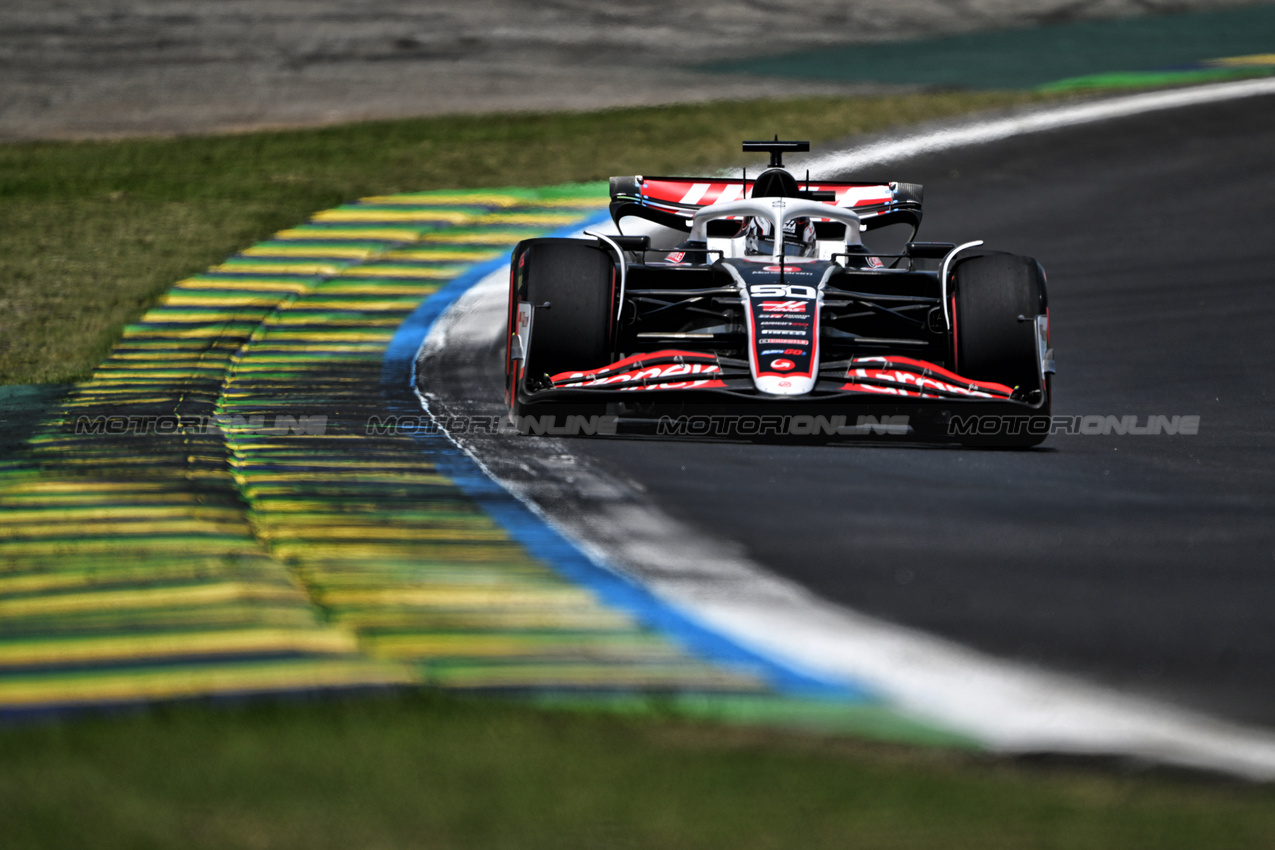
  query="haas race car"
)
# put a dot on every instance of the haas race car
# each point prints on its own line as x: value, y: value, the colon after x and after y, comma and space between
x: 752, y: 308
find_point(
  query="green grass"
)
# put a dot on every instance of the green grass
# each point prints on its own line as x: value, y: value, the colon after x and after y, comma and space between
x: 92, y: 233
x: 1132, y: 81
x: 434, y: 772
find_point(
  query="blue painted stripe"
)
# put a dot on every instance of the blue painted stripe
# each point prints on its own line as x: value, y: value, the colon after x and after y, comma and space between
x: 541, y: 540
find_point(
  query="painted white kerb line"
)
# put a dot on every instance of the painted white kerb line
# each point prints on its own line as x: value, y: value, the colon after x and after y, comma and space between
x: 966, y: 133
x: 1009, y: 707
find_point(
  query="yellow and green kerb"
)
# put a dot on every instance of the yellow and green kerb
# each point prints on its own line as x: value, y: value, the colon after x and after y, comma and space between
x: 211, y: 516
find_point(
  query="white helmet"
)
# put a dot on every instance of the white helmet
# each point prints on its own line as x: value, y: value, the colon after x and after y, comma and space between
x: 799, y: 237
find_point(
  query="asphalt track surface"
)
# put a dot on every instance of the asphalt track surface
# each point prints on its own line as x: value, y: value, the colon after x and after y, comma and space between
x: 1144, y: 562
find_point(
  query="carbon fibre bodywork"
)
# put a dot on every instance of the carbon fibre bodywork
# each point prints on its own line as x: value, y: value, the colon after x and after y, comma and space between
x: 841, y: 340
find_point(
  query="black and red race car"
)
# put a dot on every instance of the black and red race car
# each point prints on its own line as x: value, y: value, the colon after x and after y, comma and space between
x: 753, y: 308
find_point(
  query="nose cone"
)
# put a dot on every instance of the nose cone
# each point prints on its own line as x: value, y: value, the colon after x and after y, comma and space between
x: 782, y: 299
x: 773, y: 383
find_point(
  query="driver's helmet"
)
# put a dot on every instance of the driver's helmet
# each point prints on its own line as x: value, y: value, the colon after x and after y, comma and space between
x: 799, y: 237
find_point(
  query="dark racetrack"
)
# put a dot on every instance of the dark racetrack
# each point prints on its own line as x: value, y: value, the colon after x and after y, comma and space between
x: 1144, y: 561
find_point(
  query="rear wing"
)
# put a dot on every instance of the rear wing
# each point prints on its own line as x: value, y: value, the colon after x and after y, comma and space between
x: 673, y: 201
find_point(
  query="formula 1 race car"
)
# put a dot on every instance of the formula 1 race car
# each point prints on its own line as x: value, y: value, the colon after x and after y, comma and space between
x: 753, y: 308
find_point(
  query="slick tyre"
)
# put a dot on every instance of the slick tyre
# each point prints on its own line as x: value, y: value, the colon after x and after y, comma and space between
x: 997, y: 298
x: 572, y: 285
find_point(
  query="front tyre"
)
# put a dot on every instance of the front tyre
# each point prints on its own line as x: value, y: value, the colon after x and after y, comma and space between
x: 996, y: 299
x: 570, y: 286
x: 995, y: 302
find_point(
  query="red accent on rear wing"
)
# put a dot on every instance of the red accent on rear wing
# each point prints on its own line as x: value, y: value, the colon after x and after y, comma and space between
x: 682, y: 196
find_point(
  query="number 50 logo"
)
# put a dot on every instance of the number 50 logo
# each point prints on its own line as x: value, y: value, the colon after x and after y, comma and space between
x: 781, y: 290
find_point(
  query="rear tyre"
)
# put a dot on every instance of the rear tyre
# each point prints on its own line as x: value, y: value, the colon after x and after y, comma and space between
x: 572, y: 285
x: 991, y: 341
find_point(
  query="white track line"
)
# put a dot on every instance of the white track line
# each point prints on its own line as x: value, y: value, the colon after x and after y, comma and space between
x: 966, y: 133
x: 1010, y: 707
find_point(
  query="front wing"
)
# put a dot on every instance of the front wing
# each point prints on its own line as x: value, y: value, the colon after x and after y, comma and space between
x: 687, y: 393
